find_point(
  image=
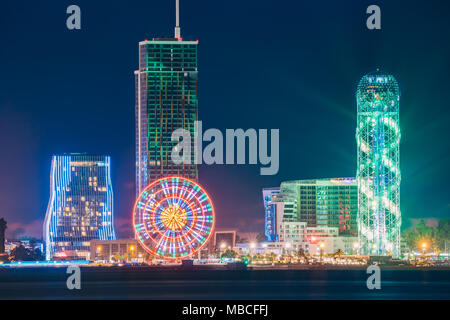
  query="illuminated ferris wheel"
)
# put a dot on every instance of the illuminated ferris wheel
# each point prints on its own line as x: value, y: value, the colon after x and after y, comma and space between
x: 173, y: 218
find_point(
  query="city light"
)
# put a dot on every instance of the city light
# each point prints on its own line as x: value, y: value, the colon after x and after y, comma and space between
x: 84, y: 177
x: 173, y: 218
x: 179, y: 88
x: 378, y: 166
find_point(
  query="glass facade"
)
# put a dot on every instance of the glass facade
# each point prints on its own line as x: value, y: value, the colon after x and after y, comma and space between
x: 166, y: 100
x: 270, y: 214
x: 378, y: 168
x: 320, y: 203
x: 80, y: 208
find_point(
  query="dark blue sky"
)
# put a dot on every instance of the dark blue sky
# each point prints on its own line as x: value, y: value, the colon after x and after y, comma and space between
x: 292, y: 65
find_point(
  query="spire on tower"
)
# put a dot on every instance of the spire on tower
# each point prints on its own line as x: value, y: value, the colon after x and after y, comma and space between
x: 177, y: 26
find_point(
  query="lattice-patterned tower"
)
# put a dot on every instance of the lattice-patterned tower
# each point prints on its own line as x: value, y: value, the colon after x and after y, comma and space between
x: 378, y: 171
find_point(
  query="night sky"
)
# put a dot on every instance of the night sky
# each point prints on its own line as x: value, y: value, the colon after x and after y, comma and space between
x: 292, y: 65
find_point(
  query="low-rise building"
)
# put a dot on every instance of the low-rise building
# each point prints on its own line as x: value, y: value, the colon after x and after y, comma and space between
x: 110, y: 251
x: 293, y: 235
x: 263, y: 248
x: 222, y: 240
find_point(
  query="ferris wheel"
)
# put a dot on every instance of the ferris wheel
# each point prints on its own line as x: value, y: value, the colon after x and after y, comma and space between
x: 173, y: 218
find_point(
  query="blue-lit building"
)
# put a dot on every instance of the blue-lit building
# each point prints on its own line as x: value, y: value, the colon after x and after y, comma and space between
x: 80, y: 208
x: 270, y: 214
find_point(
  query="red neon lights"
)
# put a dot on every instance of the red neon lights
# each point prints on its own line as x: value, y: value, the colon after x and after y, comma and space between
x: 173, y: 218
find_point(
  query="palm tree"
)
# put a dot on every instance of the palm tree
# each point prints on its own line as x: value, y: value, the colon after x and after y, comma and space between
x: 338, y: 253
x: 301, y: 254
x: 229, y: 254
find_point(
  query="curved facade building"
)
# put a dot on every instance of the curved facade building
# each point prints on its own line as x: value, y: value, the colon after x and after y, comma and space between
x: 80, y: 208
x: 378, y: 169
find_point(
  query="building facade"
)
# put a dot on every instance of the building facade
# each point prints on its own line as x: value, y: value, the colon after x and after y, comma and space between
x: 166, y: 100
x: 270, y: 222
x: 293, y: 234
x: 80, y: 208
x: 116, y: 251
x: 378, y: 167
x: 326, y: 240
x: 319, y: 203
x: 223, y: 240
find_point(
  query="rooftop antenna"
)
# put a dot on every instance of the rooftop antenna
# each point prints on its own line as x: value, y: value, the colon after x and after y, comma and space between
x: 177, y: 27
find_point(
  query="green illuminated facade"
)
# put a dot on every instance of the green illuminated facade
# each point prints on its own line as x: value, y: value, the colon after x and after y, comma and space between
x: 318, y: 203
x: 166, y: 100
x: 378, y: 169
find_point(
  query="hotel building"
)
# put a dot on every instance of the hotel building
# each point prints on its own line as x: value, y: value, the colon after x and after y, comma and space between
x: 80, y: 208
x: 323, y: 203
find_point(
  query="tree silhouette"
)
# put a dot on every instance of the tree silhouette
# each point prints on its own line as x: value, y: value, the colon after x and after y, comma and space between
x: 301, y: 254
x: 229, y: 254
x: 20, y: 253
x: 3, y: 226
x: 338, y: 253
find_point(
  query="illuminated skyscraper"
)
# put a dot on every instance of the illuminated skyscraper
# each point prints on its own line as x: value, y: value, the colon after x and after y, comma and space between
x: 80, y: 208
x: 166, y: 100
x: 378, y: 171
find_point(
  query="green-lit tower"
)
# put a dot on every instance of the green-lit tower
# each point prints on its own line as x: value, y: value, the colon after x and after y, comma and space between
x: 378, y: 172
x: 166, y: 100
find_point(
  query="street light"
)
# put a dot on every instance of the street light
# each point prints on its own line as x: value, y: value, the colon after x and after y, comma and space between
x: 424, y: 247
x: 252, y: 248
x: 321, y: 246
x: 99, y: 252
x: 356, y: 246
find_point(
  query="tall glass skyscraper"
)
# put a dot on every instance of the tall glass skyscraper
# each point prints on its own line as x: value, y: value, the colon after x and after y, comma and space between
x: 378, y: 171
x: 80, y: 208
x: 166, y: 100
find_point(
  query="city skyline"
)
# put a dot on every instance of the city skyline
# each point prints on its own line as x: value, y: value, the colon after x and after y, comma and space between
x: 423, y: 165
